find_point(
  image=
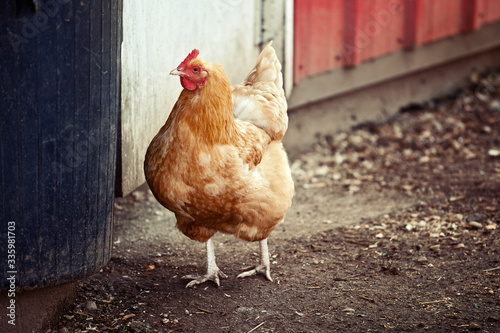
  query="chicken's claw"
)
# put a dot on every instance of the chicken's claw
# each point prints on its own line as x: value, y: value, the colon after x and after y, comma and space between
x: 210, y: 276
x: 213, y: 272
x: 261, y: 269
x: 264, y: 267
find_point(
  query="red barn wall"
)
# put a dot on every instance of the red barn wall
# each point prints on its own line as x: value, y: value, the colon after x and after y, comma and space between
x: 343, y: 33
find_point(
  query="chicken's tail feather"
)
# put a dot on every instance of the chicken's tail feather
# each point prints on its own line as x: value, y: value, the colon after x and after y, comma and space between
x: 267, y: 69
x: 261, y: 100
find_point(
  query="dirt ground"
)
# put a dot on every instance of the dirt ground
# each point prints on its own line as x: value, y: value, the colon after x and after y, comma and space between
x: 394, y: 228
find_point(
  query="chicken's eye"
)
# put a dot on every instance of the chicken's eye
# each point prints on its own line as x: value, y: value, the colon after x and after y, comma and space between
x: 196, y: 69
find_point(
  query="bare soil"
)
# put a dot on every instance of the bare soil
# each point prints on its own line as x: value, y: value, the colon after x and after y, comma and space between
x: 394, y: 228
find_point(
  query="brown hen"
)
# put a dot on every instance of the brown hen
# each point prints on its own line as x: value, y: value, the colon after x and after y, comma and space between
x: 218, y: 162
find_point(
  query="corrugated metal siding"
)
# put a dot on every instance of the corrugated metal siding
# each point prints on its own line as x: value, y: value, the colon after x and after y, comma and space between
x: 435, y: 19
x: 335, y: 33
x: 318, y: 28
x: 378, y: 29
x: 490, y: 10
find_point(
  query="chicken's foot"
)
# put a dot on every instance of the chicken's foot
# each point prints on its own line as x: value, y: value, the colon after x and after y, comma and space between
x: 213, y: 272
x: 264, y: 267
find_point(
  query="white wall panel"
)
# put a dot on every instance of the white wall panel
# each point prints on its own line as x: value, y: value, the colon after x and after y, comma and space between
x: 157, y: 36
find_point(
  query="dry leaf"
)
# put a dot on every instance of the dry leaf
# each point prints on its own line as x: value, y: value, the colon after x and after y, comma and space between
x: 131, y: 315
x: 407, y: 188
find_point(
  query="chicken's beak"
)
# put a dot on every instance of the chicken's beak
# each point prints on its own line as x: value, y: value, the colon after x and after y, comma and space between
x: 175, y: 71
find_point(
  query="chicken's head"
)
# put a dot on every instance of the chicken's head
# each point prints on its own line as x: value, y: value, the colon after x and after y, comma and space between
x: 191, y: 71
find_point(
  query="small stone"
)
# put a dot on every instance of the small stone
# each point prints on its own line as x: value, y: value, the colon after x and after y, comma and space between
x: 435, y: 248
x: 491, y: 227
x: 422, y: 260
x: 322, y: 170
x: 245, y: 309
x: 474, y: 326
x: 474, y: 77
x: 476, y: 217
x: 336, y: 176
x: 339, y: 158
x: 354, y: 189
x: 90, y: 306
x: 495, y: 105
x: 475, y: 225
x: 424, y: 159
x: 493, y: 152
x: 138, y: 195
x: 407, y: 188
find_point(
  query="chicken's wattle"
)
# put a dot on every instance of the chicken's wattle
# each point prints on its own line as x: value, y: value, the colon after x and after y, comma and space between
x: 187, y: 84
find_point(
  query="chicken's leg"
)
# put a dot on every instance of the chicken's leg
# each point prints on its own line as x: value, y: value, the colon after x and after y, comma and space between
x: 213, y: 272
x: 264, y: 267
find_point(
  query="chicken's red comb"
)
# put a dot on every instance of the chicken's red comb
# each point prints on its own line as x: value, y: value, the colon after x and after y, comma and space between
x: 190, y: 57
